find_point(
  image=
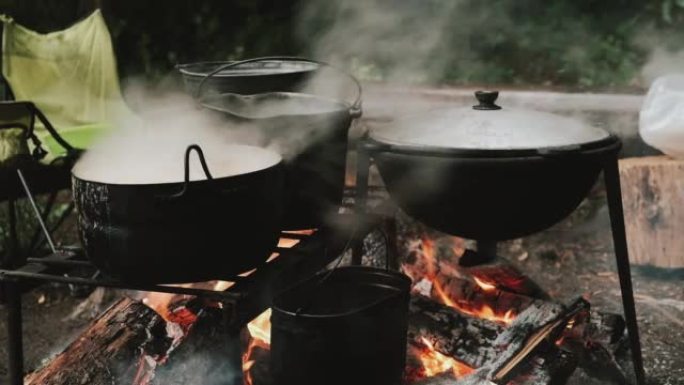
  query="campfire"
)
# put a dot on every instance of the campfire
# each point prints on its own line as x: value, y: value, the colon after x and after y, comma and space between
x: 463, y: 320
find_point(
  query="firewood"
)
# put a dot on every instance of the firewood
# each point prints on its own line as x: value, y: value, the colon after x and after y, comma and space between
x: 507, y: 277
x: 548, y: 367
x: 607, y: 329
x: 470, y: 294
x: 541, y: 321
x: 451, y: 333
x: 207, y: 356
x: 108, y: 351
x: 653, y: 200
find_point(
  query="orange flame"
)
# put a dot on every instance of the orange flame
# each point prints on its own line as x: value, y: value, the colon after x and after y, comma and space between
x: 483, y: 310
x: 260, y: 332
x: 435, y: 363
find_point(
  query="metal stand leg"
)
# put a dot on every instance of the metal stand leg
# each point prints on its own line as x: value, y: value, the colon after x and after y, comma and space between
x: 11, y: 294
x: 487, y: 250
x: 233, y: 346
x: 36, y: 240
x: 617, y: 223
x: 390, y: 229
x: 15, y: 347
x: 13, y: 251
x: 362, y: 171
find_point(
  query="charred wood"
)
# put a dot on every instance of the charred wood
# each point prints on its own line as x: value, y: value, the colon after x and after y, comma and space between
x: 550, y: 366
x: 507, y: 277
x: 209, y: 355
x: 542, y: 321
x: 108, y: 351
x: 453, y: 334
x: 467, y: 292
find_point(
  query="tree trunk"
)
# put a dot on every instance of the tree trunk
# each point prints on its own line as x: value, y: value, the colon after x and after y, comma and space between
x: 653, y: 199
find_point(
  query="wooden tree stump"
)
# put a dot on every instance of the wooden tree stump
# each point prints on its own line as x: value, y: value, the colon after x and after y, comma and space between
x: 653, y: 199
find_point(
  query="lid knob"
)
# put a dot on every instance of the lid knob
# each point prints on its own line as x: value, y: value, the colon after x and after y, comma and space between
x: 486, y: 99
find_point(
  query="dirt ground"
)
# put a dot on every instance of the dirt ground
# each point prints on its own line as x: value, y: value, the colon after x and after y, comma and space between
x: 576, y: 258
x: 573, y: 258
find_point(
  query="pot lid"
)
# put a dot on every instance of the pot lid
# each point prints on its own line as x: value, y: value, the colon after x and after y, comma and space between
x: 487, y: 126
x: 114, y: 165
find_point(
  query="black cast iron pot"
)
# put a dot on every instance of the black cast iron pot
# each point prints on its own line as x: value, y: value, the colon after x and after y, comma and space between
x: 271, y: 74
x: 310, y: 132
x: 346, y: 326
x: 488, y: 173
x: 148, y: 229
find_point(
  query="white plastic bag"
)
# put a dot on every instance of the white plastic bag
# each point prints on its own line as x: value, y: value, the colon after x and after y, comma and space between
x: 661, y: 120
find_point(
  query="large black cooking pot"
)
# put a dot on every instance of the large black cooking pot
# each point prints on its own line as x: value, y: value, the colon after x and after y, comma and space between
x: 160, y: 224
x: 270, y: 74
x: 342, y: 327
x: 489, y: 173
x: 310, y: 132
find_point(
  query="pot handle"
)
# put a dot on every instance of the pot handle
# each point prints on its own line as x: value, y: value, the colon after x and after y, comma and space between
x: 205, y: 168
x: 355, y: 109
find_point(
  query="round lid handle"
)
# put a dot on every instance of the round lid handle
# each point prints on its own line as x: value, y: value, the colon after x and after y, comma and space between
x: 486, y: 99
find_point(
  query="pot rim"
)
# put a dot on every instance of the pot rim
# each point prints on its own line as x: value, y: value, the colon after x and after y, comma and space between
x: 397, y: 291
x: 599, y: 147
x: 342, y: 106
x: 200, y: 182
x: 186, y: 68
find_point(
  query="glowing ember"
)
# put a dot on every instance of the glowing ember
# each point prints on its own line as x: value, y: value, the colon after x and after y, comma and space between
x: 435, y: 363
x: 486, y: 286
x: 162, y: 302
x: 260, y: 327
x: 287, y: 242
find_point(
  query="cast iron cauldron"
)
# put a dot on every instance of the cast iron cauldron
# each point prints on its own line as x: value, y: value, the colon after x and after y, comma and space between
x: 154, y: 224
x: 266, y: 75
x: 346, y: 326
x: 489, y: 173
x: 311, y: 134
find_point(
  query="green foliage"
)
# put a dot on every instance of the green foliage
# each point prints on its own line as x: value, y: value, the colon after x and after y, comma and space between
x: 578, y: 43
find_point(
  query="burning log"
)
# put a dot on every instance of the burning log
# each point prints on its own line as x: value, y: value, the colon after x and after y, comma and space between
x: 453, y: 334
x: 207, y: 356
x: 549, y: 367
x: 107, y: 351
x: 541, y: 322
x: 507, y: 277
x: 480, y: 297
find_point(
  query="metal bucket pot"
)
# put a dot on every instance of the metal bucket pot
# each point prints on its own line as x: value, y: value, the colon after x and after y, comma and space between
x: 268, y: 75
x: 311, y: 134
x: 346, y: 326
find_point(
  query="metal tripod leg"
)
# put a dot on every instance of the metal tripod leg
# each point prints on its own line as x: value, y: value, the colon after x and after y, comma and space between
x: 362, y: 174
x: 15, y: 349
x: 617, y: 223
x: 11, y: 294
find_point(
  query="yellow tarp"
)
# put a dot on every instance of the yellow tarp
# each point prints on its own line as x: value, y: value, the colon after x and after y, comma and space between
x: 70, y: 75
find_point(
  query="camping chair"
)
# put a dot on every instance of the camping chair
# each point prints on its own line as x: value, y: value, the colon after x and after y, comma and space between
x: 22, y: 150
x: 70, y: 78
